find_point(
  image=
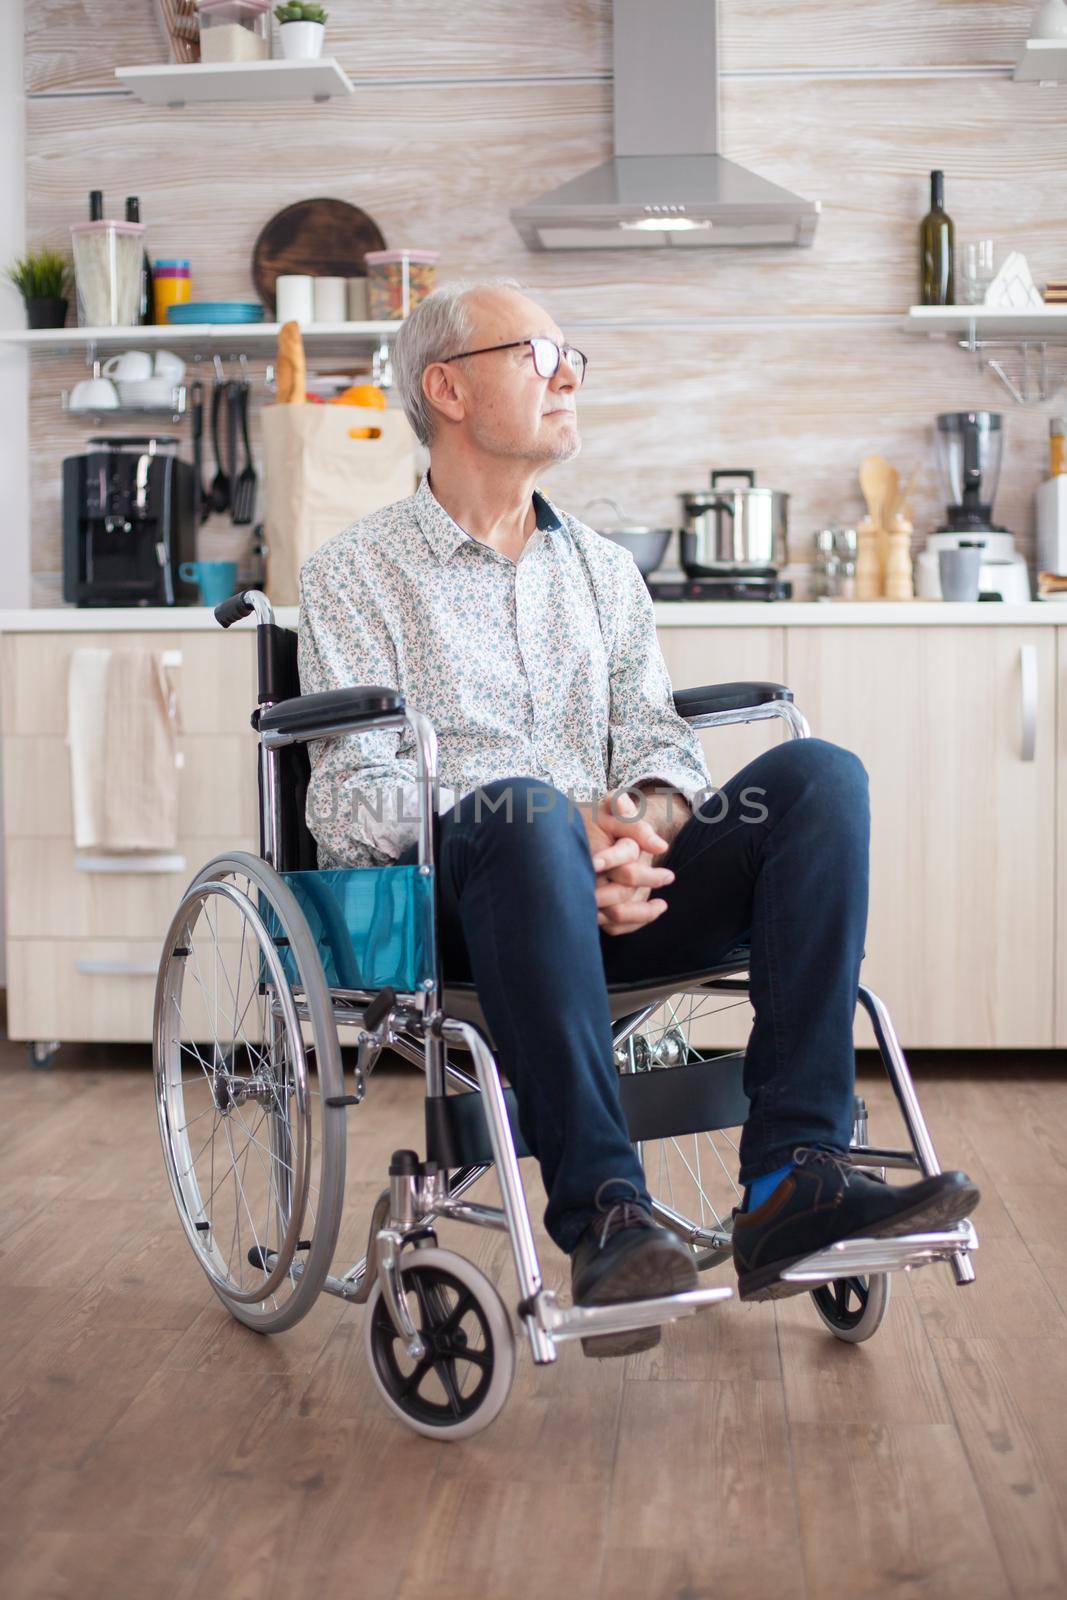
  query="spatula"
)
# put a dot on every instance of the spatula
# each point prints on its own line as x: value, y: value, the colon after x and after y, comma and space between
x: 244, y: 489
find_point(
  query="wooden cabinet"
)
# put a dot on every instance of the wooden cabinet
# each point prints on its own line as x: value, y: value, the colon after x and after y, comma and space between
x: 1060, y: 978
x: 83, y: 943
x: 963, y: 852
x: 963, y: 730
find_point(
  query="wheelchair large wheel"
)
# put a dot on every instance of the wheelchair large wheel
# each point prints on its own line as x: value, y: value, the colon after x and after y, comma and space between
x: 255, y: 1157
x: 460, y: 1385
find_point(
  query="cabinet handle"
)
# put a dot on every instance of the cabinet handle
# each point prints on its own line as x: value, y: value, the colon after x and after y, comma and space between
x: 94, y: 966
x: 1028, y: 699
x: 86, y: 862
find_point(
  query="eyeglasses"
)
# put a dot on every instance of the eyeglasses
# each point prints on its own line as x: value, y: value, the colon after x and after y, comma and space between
x: 546, y: 356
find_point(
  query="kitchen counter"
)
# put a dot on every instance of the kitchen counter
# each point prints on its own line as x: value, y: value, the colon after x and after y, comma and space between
x: 676, y: 614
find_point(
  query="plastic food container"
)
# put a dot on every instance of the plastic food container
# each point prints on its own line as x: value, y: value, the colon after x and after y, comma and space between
x: 171, y: 286
x: 107, y: 272
x: 397, y: 280
x: 234, y: 30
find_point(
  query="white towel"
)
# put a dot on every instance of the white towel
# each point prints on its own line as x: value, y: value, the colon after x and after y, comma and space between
x: 122, y: 733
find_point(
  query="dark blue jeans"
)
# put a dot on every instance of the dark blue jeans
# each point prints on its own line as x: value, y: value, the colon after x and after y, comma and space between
x: 778, y: 856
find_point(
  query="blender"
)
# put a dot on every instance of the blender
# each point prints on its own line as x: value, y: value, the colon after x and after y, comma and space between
x: 969, y: 446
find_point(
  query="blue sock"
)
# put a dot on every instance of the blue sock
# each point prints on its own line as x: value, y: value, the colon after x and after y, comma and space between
x: 761, y: 1189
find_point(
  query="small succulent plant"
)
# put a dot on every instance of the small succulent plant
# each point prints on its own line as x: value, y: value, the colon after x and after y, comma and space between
x: 40, y: 275
x: 300, y: 11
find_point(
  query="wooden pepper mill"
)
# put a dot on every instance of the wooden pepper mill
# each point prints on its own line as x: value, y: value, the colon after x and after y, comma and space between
x: 898, y: 574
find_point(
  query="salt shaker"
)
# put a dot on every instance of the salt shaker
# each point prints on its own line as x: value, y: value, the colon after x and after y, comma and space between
x: 846, y: 544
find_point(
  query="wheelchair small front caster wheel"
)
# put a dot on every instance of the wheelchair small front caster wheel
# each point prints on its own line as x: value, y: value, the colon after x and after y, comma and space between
x: 460, y: 1384
x: 42, y: 1053
x: 853, y: 1308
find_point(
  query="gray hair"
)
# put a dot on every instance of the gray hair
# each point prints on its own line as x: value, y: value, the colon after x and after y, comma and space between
x: 439, y: 326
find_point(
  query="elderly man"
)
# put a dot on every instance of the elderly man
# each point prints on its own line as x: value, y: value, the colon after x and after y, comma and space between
x: 580, y: 841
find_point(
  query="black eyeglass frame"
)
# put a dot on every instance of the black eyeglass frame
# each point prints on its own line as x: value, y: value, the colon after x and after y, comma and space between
x: 517, y: 344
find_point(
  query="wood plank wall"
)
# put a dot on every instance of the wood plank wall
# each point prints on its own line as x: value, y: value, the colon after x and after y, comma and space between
x: 465, y: 109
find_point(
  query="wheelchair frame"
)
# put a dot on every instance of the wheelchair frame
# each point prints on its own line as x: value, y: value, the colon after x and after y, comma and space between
x: 421, y: 1192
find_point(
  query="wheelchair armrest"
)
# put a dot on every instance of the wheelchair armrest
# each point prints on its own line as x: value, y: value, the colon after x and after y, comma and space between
x: 713, y: 697
x: 310, y: 715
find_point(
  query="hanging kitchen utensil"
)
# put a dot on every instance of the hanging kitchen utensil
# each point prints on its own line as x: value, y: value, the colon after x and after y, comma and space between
x: 218, y: 497
x: 244, y: 489
x: 196, y: 406
x: 233, y: 403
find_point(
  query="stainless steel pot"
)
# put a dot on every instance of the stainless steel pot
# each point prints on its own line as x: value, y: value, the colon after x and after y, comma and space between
x: 736, y: 530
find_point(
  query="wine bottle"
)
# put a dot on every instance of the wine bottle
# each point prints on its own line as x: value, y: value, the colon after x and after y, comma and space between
x: 146, y: 312
x: 937, y: 248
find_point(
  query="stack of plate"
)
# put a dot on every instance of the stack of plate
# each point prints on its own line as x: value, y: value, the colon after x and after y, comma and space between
x: 229, y: 311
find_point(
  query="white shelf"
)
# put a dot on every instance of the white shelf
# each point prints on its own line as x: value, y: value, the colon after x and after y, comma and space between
x: 251, y: 337
x: 236, y: 81
x: 987, y: 322
x: 1042, y: 61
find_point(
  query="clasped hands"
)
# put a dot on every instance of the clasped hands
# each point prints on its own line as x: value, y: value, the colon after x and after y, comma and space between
x: 623, y: 845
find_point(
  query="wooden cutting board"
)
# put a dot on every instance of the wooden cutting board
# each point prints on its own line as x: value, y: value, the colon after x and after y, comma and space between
x: 326, y: 238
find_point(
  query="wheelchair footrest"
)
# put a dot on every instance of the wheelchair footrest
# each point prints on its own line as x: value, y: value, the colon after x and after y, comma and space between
x: 850, y: 1258
x: 578, y: 1322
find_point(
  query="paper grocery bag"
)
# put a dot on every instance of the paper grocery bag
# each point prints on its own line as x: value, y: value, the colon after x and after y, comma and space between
x: 320, y: 477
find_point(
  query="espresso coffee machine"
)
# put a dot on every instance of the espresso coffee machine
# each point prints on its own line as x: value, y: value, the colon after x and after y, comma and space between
x: 969, y: 446
x: 128, y: 524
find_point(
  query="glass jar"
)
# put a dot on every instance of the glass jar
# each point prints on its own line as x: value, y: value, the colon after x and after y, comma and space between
x: 234, y: 30
x: 825, y: 566
x: 107, y: 272
x: 397, y: 280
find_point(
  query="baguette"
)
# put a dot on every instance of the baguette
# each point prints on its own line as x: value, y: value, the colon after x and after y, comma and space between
x: 292, y: 366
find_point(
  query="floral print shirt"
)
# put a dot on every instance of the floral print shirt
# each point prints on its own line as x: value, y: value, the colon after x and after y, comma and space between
x: 547, y: 667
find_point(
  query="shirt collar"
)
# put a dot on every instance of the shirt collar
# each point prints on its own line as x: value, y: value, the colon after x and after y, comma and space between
x: 444, y: 535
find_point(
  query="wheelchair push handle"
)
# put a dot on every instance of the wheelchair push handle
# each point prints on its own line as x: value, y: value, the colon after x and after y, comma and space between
x: 227, y: 612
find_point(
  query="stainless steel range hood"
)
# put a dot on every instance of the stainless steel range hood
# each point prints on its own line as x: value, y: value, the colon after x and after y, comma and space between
x: 667, y: 184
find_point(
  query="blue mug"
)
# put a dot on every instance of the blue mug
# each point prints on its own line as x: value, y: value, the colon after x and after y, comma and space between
x: 216, y: 580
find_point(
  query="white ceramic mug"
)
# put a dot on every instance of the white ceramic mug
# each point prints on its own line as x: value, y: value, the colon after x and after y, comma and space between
x: 329, y: 300
x: 131, y: 366
x: 165, y: 364
x: 146, y: 392
x: 294, y: 298
x: 356, y: 297
x: 94, y: 394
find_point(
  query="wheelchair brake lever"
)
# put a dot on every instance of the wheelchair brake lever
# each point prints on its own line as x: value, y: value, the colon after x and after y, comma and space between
x: 368, y: 1047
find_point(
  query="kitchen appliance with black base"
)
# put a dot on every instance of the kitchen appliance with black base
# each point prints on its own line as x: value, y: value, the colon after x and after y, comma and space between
x: 750, y: 586
x: 969, y: 446
x: 128, y: 524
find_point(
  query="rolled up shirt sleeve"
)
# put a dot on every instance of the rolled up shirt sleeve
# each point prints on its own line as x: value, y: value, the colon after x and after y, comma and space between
x: 648, y: 741
x: 363, y: 794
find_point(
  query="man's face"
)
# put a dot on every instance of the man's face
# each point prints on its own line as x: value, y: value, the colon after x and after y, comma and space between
x: 508, y: 408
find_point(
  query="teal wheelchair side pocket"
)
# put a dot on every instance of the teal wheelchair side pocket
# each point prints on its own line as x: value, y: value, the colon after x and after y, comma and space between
x: 374, y: 926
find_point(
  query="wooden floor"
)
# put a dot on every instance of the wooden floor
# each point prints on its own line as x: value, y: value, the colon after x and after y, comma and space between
x: 152, y: 1447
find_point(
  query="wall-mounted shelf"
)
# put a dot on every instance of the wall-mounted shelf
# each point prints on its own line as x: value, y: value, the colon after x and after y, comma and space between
x: 982, y: 330
x: 234, y: 81
x: 989, y: 322
x: 252, y: 338
x: 1042, y: 61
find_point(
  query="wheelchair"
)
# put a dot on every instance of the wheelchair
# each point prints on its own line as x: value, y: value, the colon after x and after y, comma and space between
x: 269, y: 959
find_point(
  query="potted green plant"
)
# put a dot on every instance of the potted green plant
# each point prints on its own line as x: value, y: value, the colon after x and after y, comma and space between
x: 301, y: 28
x: 40, y: 277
